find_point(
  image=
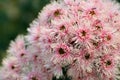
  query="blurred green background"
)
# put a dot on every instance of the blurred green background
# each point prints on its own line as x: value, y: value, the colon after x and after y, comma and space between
x: 15, y: 17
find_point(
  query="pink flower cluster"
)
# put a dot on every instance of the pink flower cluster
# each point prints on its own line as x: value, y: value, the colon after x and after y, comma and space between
x: 70, y: 40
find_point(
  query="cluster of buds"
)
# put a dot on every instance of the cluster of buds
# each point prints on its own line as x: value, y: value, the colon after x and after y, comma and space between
x: 70, y: 40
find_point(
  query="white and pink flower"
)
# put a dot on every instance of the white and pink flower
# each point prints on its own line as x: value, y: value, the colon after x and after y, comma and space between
x: 70, y: 40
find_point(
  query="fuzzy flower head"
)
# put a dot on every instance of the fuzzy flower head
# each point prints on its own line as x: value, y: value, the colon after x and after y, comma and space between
x: 70, y: 40
x: 34, y: 76
x: 108, y: 66
x: 83, y: 34
x: 62, y: 55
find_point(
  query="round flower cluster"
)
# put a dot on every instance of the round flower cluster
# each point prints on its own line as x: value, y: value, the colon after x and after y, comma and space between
x: 70, y: 40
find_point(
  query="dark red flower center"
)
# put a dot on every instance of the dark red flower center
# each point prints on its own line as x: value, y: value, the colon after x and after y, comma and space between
x: 98, y: 27
x: 108, y: 37
x: 62, y: 27
x: 13, y: 67
x: 108, y: 63
x: 61, y: 51
x: 22, y: 54
x: 92, y: 12
x: 87, y: 56
x: 34, y: 78
x: 95, y: 43
x: 83, y: 33
x: 57, y: 13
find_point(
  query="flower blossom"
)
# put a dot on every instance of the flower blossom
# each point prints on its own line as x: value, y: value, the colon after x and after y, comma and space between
x: 70, y: 40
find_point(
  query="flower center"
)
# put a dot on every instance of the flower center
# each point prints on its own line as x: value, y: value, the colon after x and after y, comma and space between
x: 92, y: 12
x: 13, y: 67
x: 83, y: 33
x: 87, y: 56
x: 62, y: 27
x: 108, y: 37
x: 61, y: 51
x: 35, y: 57
x: 98, y: 27
x: 34, y: 78
x: 108, y: 63
x: 22, y: 54
x: 57, y: 13
x: 95, y: 43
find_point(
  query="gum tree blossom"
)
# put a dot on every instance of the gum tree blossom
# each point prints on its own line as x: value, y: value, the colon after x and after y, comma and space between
x: 62, y: 55
x: 70, y: 40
